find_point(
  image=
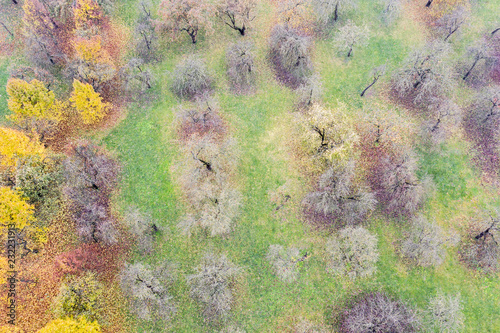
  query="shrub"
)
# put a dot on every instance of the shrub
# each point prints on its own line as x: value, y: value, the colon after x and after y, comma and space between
x: 146, y: 289
x: 191, y: 78
x: 338, y: 198
x: 240, y: 66
x: 213, y: 285
x: 290, y: 53
x: 284, y: 262
x: 377, y: 313
x: 424, y: 243
x: 353, y: 253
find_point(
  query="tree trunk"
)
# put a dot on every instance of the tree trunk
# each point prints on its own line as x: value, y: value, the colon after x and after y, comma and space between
x: 335, y: 14
x: 451, y: 33
x: 369, y: 86
x: 428, y: 3
x: 7, y: 29
x: 193, y: 37
x: 242, y: 30
x: 14, y: 2
x: 470, y: 70
x: 350, y: 52
x: 494, y: 31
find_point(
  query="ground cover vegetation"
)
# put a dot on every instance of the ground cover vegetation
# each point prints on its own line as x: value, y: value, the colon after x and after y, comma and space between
x: 250, y: 165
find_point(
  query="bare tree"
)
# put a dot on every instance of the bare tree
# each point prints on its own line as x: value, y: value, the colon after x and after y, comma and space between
x: 200, y: 120
x: 284, y: 262
x: 425, y: 73
x: 189, y: 16
x: 326, y: 10
x: 481, y: 50
x: 483, y: 117
x: 377, y: 72
x: 310, y: 92
x: 339, y: 198
x: 444, y: 314
x: 215, y: 210
x: 146, y: 287
x: 241, y: 66
x: 396, y: 184
x: 146, y: 38
x: 213, y: 285
x: 353, y: 253
x: 290, y: 53
x: 91, y: 176
x: 480, y: 249
x: 424, y: 243
x: 377, y: 313
x: 450, y: 23
x: 237, y: 14
x: 136, y: 77
x: 191, y: 78
x: 143, y: 228
x: 350, y: 35
x: 444, y: 116
x: 392, y: 9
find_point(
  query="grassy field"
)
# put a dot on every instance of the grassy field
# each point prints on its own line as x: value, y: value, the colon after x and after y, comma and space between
x: 144, y: 142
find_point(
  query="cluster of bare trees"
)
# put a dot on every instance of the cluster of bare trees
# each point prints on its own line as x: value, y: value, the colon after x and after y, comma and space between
x: 91, y: 177
x: 210, y: 158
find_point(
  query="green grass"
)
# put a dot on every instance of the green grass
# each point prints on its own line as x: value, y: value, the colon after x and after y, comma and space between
x: 145, y: 144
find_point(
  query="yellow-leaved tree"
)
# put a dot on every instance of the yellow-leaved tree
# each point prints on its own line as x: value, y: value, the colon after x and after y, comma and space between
x: 15, y: 145
x: 88, y: 103
x: 327, y: 135
x: 33, y: 106
x: 14, y: 209
x: 87, y: 14
x: 70, y: 325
